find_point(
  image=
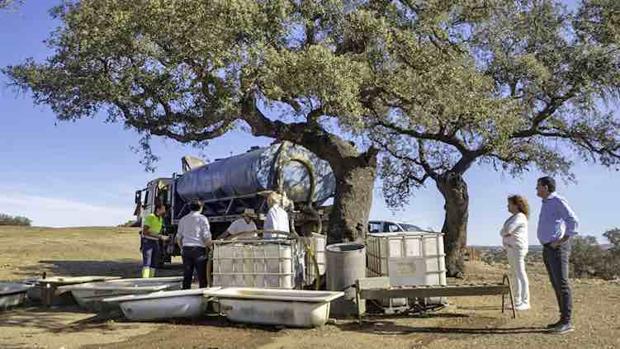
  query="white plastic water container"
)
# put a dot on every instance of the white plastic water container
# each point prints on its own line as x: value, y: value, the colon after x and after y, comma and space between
x: 408, y: 259
x: 254, y: 263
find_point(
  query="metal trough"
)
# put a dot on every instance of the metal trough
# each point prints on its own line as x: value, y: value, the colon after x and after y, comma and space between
x: 163, y: 305
x: 46, y: 290
x: 294, y: 308
x: 90, y: 295
x: 12, y: 294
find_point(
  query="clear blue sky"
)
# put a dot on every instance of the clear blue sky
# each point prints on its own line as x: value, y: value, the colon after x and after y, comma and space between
x: 84, y: 173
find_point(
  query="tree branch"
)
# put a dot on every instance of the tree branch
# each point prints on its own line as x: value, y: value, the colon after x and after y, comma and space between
x: 453, y: 141
x: 547, y: 112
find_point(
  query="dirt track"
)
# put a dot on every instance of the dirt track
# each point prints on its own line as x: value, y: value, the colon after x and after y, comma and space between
x: 468, y: 322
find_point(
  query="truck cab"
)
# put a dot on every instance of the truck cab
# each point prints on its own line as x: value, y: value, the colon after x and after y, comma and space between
x: 156, y: 191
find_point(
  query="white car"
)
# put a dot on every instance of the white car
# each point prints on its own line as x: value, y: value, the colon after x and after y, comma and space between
x: 391, y: 227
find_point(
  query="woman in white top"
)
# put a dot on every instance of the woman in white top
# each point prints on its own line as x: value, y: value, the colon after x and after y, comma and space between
x: 514, y: 238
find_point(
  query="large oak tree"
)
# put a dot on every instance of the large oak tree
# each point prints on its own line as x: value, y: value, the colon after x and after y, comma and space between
x: 299, y: 71
x: 550, y: 78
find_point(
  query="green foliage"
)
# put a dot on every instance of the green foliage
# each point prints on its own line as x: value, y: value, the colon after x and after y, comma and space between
x: 129, y: 223
x: 530, y: 91
x: 7, y: 3
x: 589, y: 259
x: 5, y: 219
x: 183, y: 69
x: 613, y: 236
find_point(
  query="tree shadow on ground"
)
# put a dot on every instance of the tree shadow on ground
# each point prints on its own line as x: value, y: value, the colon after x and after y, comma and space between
x: 485, y: 307
x: 215, y: 320
x: 382, y: 327
x: 59, y: 319
x: 376, y: 316
x: 123, y: 268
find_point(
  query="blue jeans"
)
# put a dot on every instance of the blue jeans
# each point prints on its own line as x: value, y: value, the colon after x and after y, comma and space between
x: 194, y: 257
x: 151, y: 253
x: 556, y: 262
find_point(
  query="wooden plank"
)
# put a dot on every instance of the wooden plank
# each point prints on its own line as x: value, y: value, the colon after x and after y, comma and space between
x: 433, y: 292
x: 373, y: 283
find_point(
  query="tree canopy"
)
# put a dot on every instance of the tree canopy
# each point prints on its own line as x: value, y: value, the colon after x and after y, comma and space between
x: 542, y: 90
x: 548, y: 75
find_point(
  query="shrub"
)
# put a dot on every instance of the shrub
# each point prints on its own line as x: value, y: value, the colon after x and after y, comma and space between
x: 589, y: 259
x: 5, y: 219
x: 129, y: 223
x: 586, y: 256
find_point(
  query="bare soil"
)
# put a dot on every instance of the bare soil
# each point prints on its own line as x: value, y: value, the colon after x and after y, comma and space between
x: 469, y: 322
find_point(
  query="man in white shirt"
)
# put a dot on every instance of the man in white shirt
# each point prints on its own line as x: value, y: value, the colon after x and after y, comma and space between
x: 277, y: 218
x: 241, y: 225
x: 194, y: 236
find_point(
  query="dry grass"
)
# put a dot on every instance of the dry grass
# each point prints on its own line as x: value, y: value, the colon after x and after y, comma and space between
x: 470, y: 322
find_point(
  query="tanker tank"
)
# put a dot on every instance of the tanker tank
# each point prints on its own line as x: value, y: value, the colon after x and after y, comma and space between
x: 259, y: 170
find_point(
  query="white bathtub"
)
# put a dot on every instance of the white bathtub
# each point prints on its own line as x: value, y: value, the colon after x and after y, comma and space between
x: 90, y: 295
x: 294, y: 308
x: 163, y: 305
x: 50, y: 285
x: 12, y: 294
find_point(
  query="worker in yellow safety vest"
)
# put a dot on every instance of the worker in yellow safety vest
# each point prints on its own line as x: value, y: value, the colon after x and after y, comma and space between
x: 151, y: 238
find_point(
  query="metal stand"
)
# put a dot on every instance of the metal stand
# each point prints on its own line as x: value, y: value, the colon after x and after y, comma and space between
x: 379, y: 288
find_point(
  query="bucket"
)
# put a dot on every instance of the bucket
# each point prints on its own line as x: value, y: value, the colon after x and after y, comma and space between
x: 346, y: 263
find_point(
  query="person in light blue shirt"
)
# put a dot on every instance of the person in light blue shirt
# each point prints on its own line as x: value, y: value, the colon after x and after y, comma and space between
x: 556, y: 224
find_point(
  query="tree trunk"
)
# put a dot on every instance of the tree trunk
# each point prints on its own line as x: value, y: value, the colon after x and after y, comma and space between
x: 354, y: 171
x: 355, y: 178
x: 454, y: 190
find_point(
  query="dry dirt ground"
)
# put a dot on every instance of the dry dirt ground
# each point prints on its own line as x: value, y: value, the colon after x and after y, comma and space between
x: 469, y: 322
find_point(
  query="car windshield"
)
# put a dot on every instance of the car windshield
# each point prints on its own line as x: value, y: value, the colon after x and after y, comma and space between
x: 375, y: 227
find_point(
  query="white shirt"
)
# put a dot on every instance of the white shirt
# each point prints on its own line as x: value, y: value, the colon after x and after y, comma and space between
x: 240, y: 226
x: 514, y: 232
x: 277, y: 219
x: 194, y: 230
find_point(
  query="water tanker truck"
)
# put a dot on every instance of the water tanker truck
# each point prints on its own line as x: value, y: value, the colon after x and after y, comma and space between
x: 228, y: 186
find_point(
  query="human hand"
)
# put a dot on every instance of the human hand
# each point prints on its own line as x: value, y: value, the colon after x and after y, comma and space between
x: 164, y: 237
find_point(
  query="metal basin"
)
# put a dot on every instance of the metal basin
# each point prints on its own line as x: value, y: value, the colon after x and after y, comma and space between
x: 12, y: 294
x: 90, y: 295
x: 163, y: 305
x: 294, y: 308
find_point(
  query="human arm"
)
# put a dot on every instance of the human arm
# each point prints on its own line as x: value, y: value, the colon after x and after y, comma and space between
x: 570, y: 220
x: 569, y: 217
x: 517, y: 225
x: 269, y: 220
x: 206, y: 232
x: 179, y: 237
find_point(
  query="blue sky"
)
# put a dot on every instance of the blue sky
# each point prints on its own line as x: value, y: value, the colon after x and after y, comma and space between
x: 84, y: 173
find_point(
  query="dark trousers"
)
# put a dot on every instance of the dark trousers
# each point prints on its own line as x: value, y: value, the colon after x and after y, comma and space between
x: 194, y: 257
x: 151, y: 253
x: 556, y: 262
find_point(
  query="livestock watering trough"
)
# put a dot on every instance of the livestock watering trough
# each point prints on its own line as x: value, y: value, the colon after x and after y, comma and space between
x: 12, y: 294
x: 90, y: 295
